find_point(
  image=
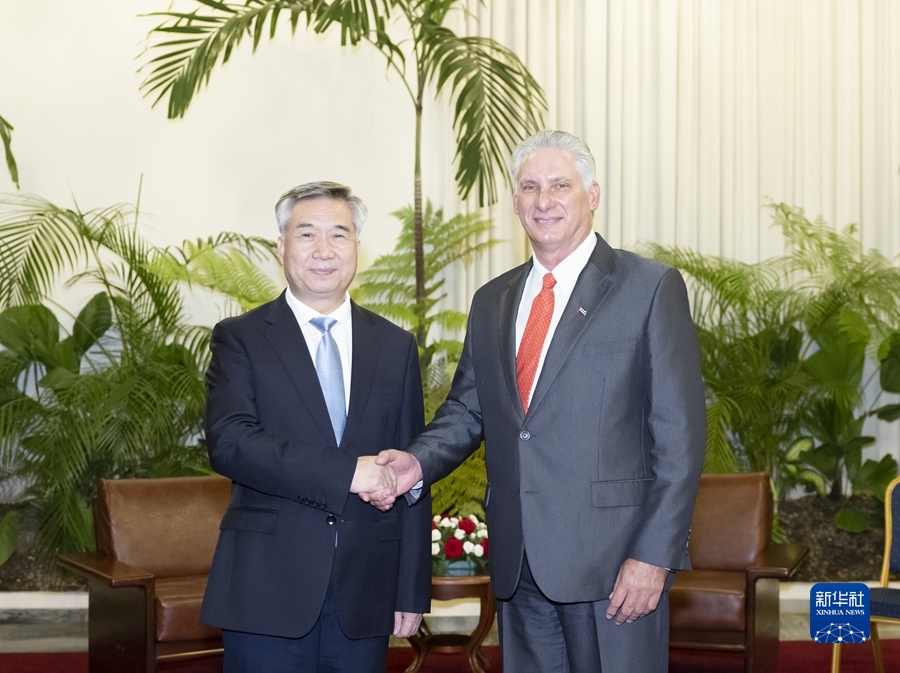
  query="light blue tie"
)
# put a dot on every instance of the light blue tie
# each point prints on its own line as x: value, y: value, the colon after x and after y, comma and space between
x: 331, y: 376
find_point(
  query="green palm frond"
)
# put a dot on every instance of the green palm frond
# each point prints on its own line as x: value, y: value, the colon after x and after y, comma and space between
x: 462, y: 488
x: 720, y: 455
x: 6, y: 130
x: 497, y: 103
x: 388, y: 286
x: 188, y: 46
x: 228, y: 266
x: 38, y: 241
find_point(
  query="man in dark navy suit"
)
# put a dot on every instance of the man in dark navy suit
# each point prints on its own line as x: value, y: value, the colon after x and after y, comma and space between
x: 303, y: 392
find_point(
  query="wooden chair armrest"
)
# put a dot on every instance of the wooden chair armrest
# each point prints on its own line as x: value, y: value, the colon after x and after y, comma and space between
x: 778, y: 560
x: 98, y: 566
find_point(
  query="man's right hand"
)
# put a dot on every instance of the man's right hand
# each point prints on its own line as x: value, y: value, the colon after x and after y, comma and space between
x: 408, y: 473
x: 370, y: 476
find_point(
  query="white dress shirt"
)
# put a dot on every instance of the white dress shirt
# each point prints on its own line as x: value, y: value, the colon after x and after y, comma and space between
x: 566, y: 274
x: 342, y: 332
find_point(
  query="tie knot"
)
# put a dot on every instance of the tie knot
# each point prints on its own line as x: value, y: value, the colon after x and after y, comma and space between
x: 549, y: 281
x: 324, y: 324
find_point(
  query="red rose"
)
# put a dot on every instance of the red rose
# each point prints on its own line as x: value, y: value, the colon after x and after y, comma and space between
x: 453, y: 548
x: 433, y: 524
x: 467, y: 525
x: 484, y: 545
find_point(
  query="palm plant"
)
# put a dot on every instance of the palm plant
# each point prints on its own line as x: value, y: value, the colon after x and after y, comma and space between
x: 750, y: 349
x: 6, y: 136
x: 123, y: 393
x: 388, y: 287
x: 784, y: 342
x: 497, y: 101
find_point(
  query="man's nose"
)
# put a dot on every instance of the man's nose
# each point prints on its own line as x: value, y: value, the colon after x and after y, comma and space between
x: 544, y: 199
x: 323, y: 248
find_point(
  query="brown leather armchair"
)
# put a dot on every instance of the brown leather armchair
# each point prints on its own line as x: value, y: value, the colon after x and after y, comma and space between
x: 155, y: 543
x: 729, y: 601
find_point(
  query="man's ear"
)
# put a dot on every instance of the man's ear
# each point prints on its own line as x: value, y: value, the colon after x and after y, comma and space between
x: 594, y: 192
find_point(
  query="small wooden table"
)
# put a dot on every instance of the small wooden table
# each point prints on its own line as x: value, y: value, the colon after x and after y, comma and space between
x: 449, y: 588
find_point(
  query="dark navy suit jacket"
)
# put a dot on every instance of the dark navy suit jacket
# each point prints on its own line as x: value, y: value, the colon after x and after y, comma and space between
x: 292, y: 524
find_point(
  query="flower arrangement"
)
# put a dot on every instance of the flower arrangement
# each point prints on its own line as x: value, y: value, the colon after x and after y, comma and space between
x: 458, y: 541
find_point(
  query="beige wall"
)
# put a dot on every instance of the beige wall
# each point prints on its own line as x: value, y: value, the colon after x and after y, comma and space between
x: 698, y: 111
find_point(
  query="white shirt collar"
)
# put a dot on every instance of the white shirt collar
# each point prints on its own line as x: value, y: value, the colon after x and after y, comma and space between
x: 304, y: 313
x: 567, y: 271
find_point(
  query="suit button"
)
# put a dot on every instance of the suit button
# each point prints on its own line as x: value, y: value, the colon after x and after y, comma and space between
x: 524, y: 435
x: 330, y: 519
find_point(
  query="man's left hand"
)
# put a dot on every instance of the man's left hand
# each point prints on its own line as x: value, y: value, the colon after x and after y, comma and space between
x: 406, y: 624
x: 637, y: 591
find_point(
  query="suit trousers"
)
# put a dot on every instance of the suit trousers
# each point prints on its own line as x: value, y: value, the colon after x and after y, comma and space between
x: 325, y: 649
x: 538, y: 635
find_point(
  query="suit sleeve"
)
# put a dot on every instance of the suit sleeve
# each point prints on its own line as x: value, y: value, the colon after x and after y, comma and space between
x: 457, y: 429
x: 414, y: 590
x: 676, y: 423
x: 312, y: 473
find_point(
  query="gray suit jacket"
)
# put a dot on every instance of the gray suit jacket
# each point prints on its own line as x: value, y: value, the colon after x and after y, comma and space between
x: 606, y: 463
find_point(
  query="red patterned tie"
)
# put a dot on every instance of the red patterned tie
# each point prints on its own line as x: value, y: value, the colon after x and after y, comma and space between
x: 533, y: 338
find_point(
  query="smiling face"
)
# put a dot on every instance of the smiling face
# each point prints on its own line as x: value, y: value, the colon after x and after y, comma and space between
x: 319, y: 251
x: 553, y: 207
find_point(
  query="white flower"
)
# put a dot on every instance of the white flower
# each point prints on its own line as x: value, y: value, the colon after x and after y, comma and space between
x: 454, y: 521
x: 478, y: 551
x: 459, y: 533
x: 473, y: 519
x: 468, y: 547
x: 436, y: 549
x: 482, y: 533
x: 437, y: 519
x: 447, y: 523
x: 435, y: 535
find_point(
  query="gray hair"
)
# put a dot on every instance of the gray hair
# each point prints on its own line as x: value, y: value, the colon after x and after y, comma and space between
x: 319, y: 190
x: 560, y: 140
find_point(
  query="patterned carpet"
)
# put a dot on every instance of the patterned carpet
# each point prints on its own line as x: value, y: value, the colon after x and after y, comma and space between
x: 794, y: 657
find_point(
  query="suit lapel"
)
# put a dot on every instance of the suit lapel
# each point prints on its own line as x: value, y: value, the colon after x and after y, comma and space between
x: 593, y: 285
x: 287, y: 340
x: 506, y: 332
x: 365, y: 362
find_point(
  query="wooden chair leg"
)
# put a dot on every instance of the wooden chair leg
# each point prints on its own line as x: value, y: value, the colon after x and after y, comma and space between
x: 876, y: 648
x: 836, y: 658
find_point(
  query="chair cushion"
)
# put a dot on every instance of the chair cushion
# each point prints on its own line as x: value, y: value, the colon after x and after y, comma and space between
x: 708, y: 600
x: 178, y: 602
x: 884, y: 602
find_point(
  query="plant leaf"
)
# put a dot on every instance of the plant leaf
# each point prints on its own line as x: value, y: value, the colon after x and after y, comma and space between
x: 851, y: 520
x: 6, y: 130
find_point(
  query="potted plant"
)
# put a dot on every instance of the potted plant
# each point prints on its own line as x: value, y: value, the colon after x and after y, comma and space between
x: 121, y: 393
x: 459, y: 545
x: 784, y: 343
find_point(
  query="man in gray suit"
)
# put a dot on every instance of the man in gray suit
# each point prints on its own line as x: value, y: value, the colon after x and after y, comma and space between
x: 581, y: 374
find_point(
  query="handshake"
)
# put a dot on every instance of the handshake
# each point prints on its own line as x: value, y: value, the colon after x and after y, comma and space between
x: 380, y: 480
